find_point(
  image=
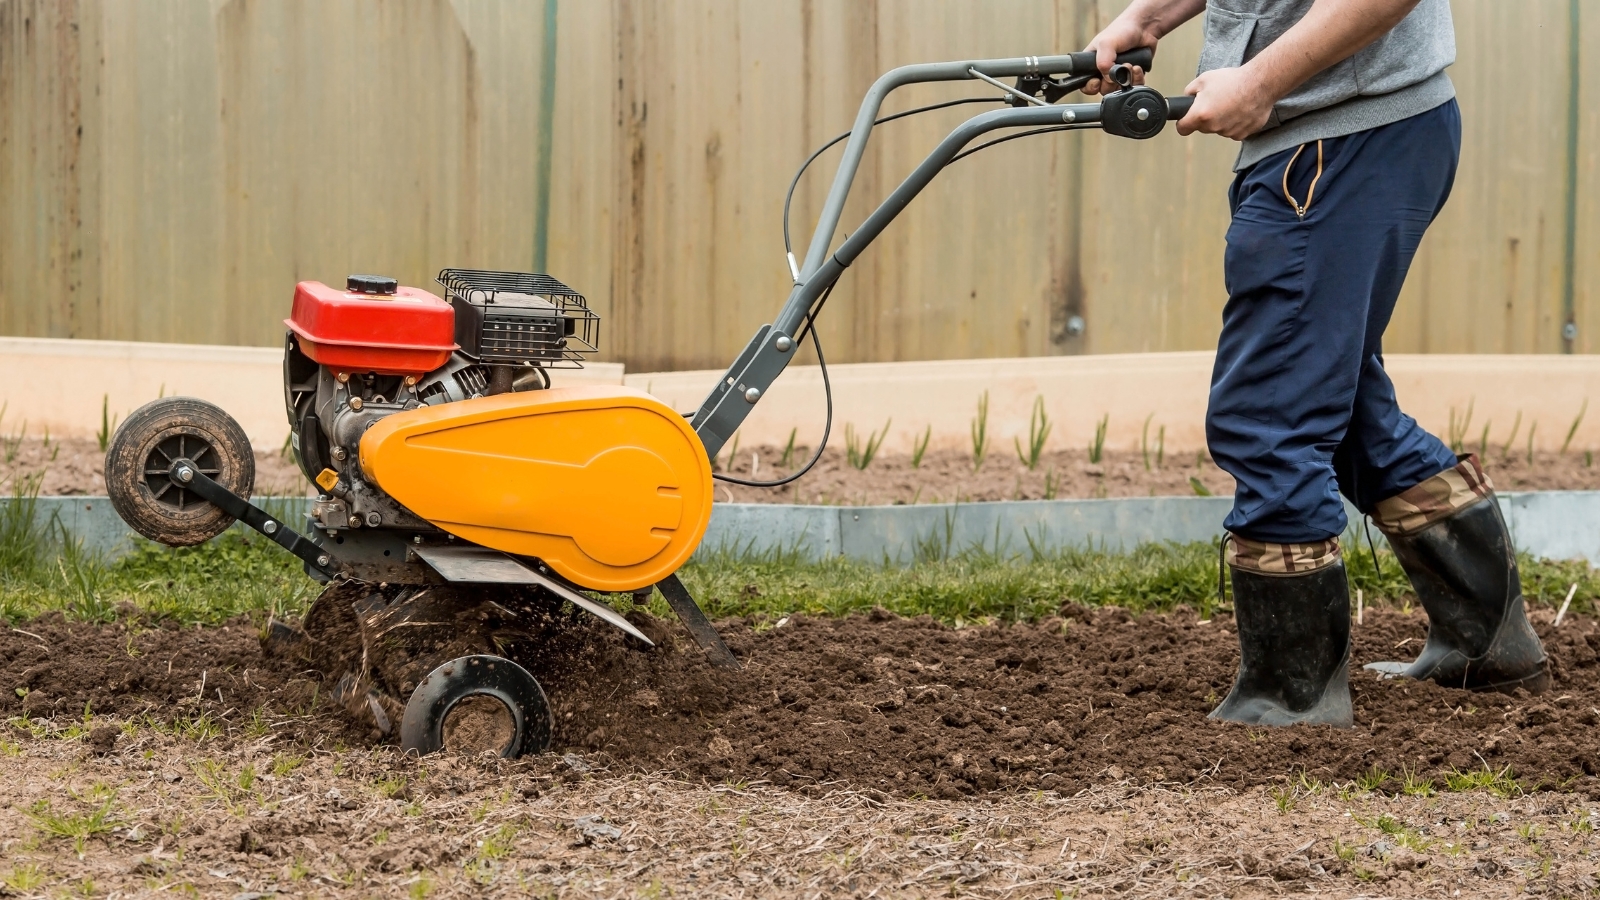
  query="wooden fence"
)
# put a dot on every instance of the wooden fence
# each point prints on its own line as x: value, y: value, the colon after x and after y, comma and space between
x: 169, y: 168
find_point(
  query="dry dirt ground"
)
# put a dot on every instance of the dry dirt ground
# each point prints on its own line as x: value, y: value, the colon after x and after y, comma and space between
x: 947, y: 477
x: 849, y: 756
x: 259, y: 817
x: 76, y: 466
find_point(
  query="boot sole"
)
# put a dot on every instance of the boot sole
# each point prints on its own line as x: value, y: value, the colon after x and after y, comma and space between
x: 1536, y: 683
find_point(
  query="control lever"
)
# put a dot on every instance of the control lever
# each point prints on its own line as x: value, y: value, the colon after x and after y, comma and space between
x: 1083, y: 72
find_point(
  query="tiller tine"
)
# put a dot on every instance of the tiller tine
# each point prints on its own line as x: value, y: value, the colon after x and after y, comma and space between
x: 695, y: 620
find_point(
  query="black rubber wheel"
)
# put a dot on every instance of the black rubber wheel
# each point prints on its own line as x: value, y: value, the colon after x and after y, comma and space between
x: 422, y: 728
x: 142, y: 452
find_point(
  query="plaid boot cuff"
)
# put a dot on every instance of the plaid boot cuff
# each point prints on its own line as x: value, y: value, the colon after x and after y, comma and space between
x: 1281, y: 559
x: 1418, y: 507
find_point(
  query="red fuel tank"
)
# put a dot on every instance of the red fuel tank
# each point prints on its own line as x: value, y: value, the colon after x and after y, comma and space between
x: 374, y: 325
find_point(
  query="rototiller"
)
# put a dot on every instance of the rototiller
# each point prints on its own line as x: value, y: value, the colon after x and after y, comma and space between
x: 463, y: 499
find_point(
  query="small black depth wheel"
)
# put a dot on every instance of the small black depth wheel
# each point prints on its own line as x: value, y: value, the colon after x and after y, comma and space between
x: 142, y: 453
x: 477, y: 703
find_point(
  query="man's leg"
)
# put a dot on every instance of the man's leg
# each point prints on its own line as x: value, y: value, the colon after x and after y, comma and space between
x: 1312, y: 280
x: 1438, y: 512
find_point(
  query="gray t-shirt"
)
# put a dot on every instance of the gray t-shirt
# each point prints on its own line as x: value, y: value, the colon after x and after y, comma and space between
x: 1395, y: 77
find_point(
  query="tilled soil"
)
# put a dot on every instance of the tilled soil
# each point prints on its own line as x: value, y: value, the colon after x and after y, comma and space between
x: 77, y: 466
x: 948, y: 477
x: 901, y: 707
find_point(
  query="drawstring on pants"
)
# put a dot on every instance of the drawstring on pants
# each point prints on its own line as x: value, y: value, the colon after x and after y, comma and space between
x: 1299, y: 209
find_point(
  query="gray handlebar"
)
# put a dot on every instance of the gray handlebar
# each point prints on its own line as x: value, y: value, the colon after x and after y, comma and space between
x: 769, y: 351
x: 1064, y: 64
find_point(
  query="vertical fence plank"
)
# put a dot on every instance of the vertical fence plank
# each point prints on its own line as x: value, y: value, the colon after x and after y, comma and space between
x: 169, y: 169
x: 1488, y: 276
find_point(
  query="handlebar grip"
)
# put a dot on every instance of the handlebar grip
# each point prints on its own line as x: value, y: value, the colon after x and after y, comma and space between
x: 1143, y: 57
x: 1178, y: 107
x: 1084, y: 63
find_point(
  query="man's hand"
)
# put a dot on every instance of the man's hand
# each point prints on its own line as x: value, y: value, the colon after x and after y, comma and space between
x: 1142, y: 24
x: 1120, y: 36
x: 1230, y: 102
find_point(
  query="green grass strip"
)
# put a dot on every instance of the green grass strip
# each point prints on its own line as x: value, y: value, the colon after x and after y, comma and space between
x: 43, y: 569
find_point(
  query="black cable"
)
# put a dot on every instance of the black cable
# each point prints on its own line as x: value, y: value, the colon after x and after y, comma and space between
x: 827, y: 390
x: 787, y: 246
x: 1021, y: 134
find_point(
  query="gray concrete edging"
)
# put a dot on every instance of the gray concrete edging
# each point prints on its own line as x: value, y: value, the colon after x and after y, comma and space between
x: 1550, y: 524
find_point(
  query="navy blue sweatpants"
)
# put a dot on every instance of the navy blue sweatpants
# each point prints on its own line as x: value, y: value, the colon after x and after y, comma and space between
x: 1301, y: 408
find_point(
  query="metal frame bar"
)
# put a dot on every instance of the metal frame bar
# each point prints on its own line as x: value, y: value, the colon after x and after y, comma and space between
x: 769, y: 352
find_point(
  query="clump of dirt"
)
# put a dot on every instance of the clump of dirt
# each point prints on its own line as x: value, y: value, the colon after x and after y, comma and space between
x: 76, y: 466
x: 948, y: 477
x: 906, y: 706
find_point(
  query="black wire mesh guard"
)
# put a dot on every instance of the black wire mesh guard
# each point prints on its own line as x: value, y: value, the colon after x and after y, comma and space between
x: 520, y: 318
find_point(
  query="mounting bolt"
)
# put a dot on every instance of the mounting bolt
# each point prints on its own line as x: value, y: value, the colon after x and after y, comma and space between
x: 355, y: 402
x: 751, y: 395
x: 355, y: 521
x: 416, y: 539
x: 410, y: 380
x: 270, y: 528
x: 784, y: 343
x: 374, y: 520
x: 1069, y: 116
x: 339, y: 453
x: 322, y: 560
x: 185, y: 474
x: 342, y: 377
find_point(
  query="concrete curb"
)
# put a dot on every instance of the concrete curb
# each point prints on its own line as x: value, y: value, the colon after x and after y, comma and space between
x: 1550, y: 524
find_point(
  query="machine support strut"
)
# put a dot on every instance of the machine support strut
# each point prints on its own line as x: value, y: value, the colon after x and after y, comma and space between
x: 318, y: 560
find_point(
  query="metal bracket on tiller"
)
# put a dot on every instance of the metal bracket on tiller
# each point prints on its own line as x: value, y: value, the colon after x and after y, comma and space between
x: 319, y: 561
x: 700, y: 627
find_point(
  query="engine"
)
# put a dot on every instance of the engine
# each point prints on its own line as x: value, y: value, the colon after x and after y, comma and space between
x: 356, y: 356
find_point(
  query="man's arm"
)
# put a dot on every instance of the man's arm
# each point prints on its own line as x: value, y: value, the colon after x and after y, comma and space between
x: 1142, y: 24
x: 1236, y: 102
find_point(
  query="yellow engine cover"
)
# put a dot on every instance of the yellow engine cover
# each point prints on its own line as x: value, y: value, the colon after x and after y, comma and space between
x: 606, y: 484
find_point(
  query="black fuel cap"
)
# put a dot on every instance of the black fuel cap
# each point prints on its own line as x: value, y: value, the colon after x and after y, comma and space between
x: 371, y: 284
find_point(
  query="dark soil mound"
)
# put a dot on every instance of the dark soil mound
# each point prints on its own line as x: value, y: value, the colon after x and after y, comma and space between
x: 906, y: 705
x: 134, y: 669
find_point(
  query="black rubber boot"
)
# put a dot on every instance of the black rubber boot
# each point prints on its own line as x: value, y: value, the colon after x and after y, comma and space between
x: 1294, y: 649
x: 1464, y: 570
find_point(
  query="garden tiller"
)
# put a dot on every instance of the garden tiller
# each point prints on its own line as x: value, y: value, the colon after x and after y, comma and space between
x: 463, y: 500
